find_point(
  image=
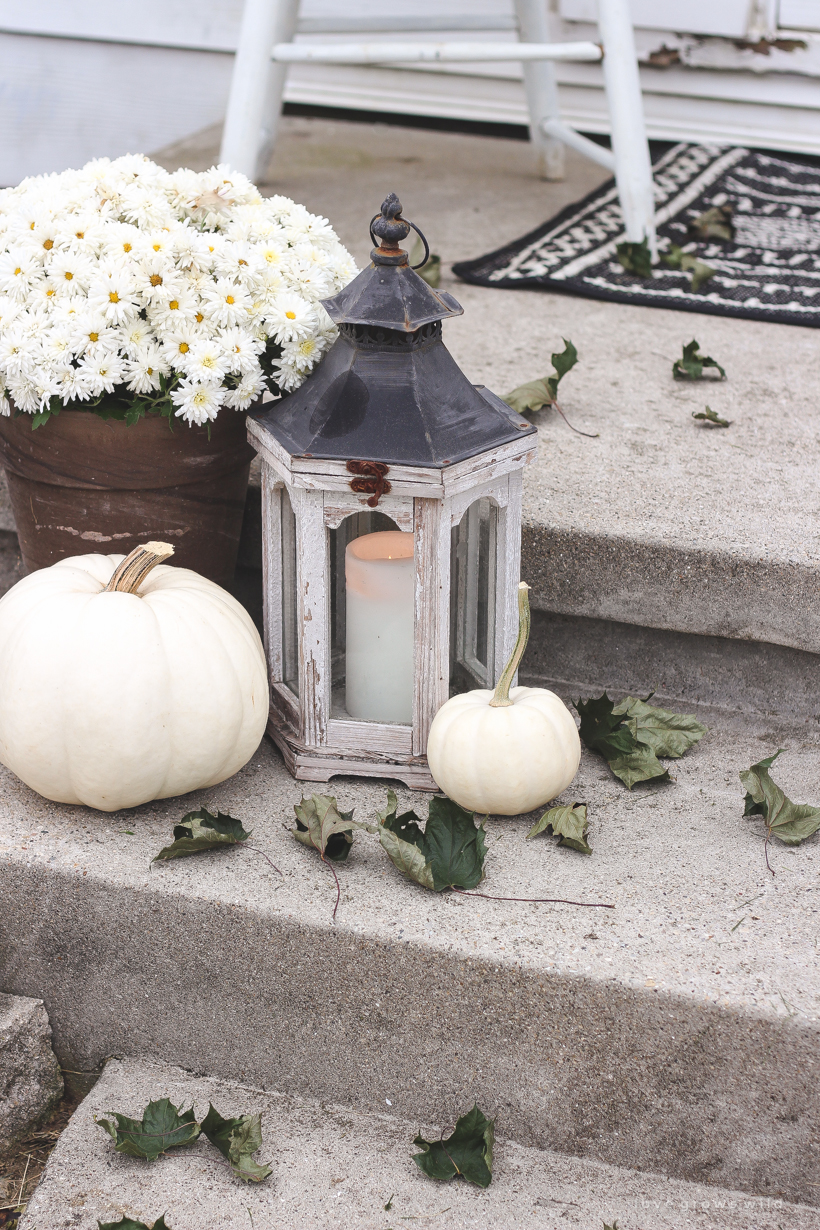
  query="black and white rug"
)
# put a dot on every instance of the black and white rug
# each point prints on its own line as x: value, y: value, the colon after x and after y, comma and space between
x: 769, y: 270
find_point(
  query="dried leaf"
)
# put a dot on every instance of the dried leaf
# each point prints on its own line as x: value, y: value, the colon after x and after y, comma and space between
x: 162, y: 1127
x: 540, y: 393
x: 449, y: 853
x: 237, y: 1140
x: 568, y: 824
x: 666, y: 733
x: 632, y: 734
x: 467, y: 1152
x: 635, y: 258
x: 199, y: 830
x: 676, y: 258
x: 321, y: 825
x: 128, y: 1223
x: 709, y: 415
x: 715, y: 223
x: 691, y: 365
x: 789, y: 822
x: 430, y: 271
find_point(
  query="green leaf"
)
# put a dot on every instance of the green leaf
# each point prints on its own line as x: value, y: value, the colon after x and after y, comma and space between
x: 692, y: 364
x: 635, y: 258
x: 537, y: 394
x: 128, y: 1223
x: 449, y: 853
x: 237, y: 1140
x: 790, y: 822
x: 321, y: 825
x: 715, y: 223
x: 199, y: 830
x: 709, y: 415
x: 430, y: 271
x: 161, y: 1128
x: 568, y: 824
x: 602, y: 730
x: 467, y: 1152
x: 701, y: 272
x: 639, y: 766
x: 666, y: 733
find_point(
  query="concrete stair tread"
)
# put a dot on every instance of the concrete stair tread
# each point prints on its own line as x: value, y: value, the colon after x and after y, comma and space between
x: 659, y: 1035
x: 334, y: 1166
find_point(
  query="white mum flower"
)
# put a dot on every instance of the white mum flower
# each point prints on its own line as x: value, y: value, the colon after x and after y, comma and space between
x: 250, y: 387
x: 113, y: 295
x: 291, y: 318
x: 92, y: 334
x: 287, y: 377
x: 226, y: 303
x: 18, y: 353
x: 103, y: 370
x: 205, y: 362
x: 71, y: 269
x: 177, y: 346
x: 168, y: 315
x: 142, y: 372
x: 20, y: 271
x: 72, y: 383
x: 241, y: 351
x: 197, y: 403
x: 136, y: 335
x: 302, y: 356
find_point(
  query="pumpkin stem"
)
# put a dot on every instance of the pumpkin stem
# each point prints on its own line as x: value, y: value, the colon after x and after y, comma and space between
x: 130, y: 574
x: 501, y: 695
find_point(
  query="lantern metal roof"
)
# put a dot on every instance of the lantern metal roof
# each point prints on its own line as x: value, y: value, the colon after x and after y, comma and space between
x: 388, y: 390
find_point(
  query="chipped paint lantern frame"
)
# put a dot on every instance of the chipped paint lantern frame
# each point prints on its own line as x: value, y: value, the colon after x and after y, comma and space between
x: 386, y: 427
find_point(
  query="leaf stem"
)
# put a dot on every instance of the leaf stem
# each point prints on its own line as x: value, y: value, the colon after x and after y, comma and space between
x: 255, y: 850
x: 592, y: 905
x: 590, y: 435
x: 501, y: 695
x: 338, y: 886
x: 766, y: 849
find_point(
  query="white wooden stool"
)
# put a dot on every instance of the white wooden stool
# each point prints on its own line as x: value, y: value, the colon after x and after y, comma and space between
x: 266, y: 48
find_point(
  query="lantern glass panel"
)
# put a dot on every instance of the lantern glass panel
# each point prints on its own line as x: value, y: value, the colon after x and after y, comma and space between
x: 290, y: 596
x: 357, y: 525
x: 473, y: 549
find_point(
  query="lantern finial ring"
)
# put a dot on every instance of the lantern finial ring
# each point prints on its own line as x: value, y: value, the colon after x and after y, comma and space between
x: 387, y: 229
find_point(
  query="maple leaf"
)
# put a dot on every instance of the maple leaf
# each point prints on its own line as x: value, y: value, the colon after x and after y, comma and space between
x: 635, y: 258
x: 237, y: 1140
x: 128, y: 1223
x: 321, y: 825
x: 602, y: 730
x: 448, y: 853
x: 715, y: 223
x: 666, y: 733
x: 199, y: 830
x: 544, y: 392
x: 690, y: 366
x: 789, y: 822
x: 467, y: 1152
x: 709, y: 415
x: 568, y: 824
x: 632, y: 734
x: 676, y: 258
x: 163, y: 1126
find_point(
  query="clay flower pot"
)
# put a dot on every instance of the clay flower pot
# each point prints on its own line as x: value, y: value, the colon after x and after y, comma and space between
x: 81, y: 483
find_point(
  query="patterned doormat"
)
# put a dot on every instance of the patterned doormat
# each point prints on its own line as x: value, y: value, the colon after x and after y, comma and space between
x: 768, y: 270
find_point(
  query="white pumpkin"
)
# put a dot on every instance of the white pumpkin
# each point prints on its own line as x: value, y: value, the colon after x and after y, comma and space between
x: 111, y: 697
x: 508, y: 751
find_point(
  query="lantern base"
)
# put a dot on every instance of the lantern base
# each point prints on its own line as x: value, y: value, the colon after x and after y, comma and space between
x: 313, y: 765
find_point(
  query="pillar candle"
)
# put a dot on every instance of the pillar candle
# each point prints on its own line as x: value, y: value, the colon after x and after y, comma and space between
x: 379, y: 585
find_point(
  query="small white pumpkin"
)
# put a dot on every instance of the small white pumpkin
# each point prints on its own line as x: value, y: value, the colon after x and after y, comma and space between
x: 117, y: 686
x: 508, y: 751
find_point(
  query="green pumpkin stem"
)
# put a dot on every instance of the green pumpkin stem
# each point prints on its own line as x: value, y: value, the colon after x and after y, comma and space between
x: 501, y: 695
x: 130, y: 574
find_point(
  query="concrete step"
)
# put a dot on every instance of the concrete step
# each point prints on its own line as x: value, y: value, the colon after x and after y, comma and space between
x: 334, y: 1166
x: 678, y: 1033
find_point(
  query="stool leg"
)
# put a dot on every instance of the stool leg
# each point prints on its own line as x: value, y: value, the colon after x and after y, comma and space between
x: 257, y: 85
x: 540, y: 88
x: 633, y: 166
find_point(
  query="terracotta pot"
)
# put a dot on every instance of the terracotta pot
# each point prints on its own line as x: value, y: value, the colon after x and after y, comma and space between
x: 81, y: 483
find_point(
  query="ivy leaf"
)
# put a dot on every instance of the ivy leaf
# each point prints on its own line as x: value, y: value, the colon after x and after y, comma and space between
x: 715, y: 223
x: 709, y: 415
x: 635, y: 258
x: 467, y: 1152
x: 321, y: 825
x: 128, y: 1223
x: 161, y: 1128
x: 568, y: 824
x: 237, y: 1140
x: 199, y: 830
x: 602, y: 730
x: 691, y: 365
x: 449, y: 853
x: 540, y: 393
x: 666, y: 733
x: 790, y: 822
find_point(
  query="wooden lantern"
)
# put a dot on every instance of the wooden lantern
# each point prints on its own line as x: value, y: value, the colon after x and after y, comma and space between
x: 387, y: 435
